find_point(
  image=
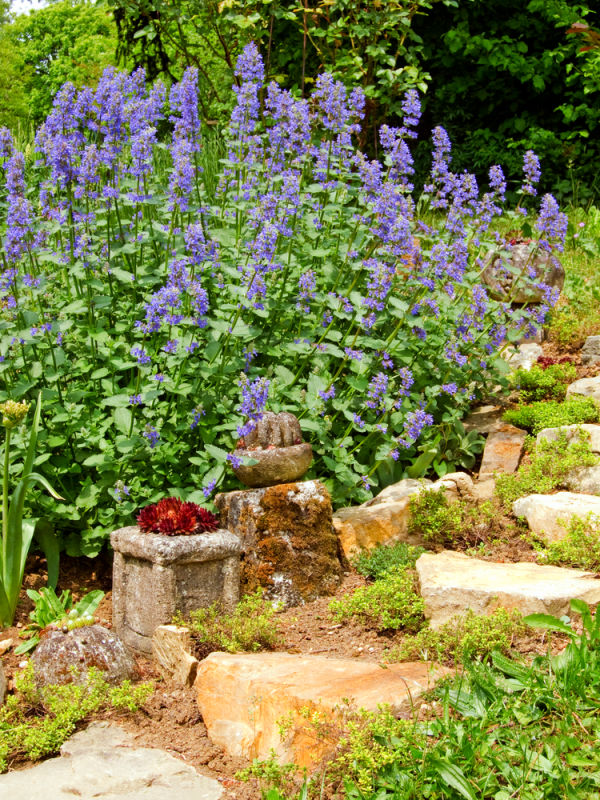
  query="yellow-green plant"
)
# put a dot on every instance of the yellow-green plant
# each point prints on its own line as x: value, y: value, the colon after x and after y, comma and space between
x: 18, y: 533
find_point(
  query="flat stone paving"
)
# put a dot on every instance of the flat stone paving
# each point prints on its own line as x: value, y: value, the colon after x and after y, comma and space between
x: 101, y: 763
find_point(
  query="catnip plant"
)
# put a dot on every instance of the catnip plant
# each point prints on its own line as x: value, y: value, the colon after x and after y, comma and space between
x: 161, y: 298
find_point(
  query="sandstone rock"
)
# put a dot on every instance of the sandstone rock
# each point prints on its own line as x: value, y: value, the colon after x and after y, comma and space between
x: 397, y: 491
x: 507, y: 273
x: 451, y: 583
x: 242, y: 697
x: 484, y: 419
x: 101, y: 763
x: 155, y: 576
x: 172, y: 652
x: 289, y: 544
x: 502, y: 451
x: 82, y: 648
x: 524, y: 356
x: 484, y: 488
x: 586, y: 387
x: 5, y: 646
x: 590, y: 352
x: 277, y: 465
x: 544, y: 512
x: 591, y: 433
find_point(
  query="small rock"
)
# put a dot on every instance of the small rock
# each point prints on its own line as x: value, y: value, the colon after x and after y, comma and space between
x: 507, y: 273
x: 544, y: 512
x: 585, y: 387
x: 524, y: 356
x: 89, y: 646
x: 590, y: 352
x: 502, y: 451
x: 5, y: 646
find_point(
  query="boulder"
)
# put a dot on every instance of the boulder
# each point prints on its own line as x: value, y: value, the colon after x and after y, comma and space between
x: 585, y: 387
x: 243, y: 697
x: 453, y: 583
x: 60, y: 651
x: 584, y: 480
x: 524, y: 356
x: 590, y: 352
x: 545, y: 512
x: 288, y: 541
x: 591, y: 434
x: 515, y: 272
x: 502, y: 451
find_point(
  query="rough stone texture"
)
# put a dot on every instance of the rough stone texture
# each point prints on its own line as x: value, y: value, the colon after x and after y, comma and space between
x: 587, y: 387
x: 275, y: 430
x: 172, y: 652
x: 82, y: 648
x: 506, y: 274
x: 101, y: 763
x: 2, y: 684
x: 289, y: 544
x: 502, y: 451
x: 524, y: 356
x: 543, y: 512
x: 384, y: 518
x: 484, y: 419
x: 484, y: 489
x: 584, y: 480
x: 154, y: 576
x: 243, y: 696
x: 276, y: 465
x: 591, y: 433
x: 451, y: 583
x: 590, y: 352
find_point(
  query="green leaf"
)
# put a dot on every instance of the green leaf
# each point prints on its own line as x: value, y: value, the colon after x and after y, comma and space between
x: 548, y: 622
x: 50, y: 546
x: 89, y: 603
x: 123, y: 418
x: 216, y: 452
x: 453, y: 776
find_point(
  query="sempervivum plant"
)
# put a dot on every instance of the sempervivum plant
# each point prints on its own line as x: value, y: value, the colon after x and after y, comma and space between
x: 172, y: 517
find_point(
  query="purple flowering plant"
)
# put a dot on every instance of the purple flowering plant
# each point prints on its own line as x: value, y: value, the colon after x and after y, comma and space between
x: 293, y: 273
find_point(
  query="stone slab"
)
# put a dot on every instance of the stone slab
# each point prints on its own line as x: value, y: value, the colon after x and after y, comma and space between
x: 591, y: 433
x: 484, y: 419
x: 502, y: 451
x: 102, y: 763
x: 242, y: 697
x: 543, y: 512
x: 452, y: 583
x: 585, y: 387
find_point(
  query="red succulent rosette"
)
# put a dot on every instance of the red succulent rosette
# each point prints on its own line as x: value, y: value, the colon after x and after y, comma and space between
x: 172, y: 517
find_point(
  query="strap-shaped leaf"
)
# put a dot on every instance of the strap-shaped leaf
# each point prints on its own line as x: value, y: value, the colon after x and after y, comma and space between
x: 453, y: 776
x: 89, y: 603
x: 48, y: 541
x: 35, y: 425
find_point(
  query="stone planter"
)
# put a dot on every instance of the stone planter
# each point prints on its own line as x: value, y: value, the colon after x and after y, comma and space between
x: 155, y: 576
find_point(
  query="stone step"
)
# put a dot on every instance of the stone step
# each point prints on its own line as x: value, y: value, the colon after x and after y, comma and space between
x: 544, y: 512
x: 101, y: 763
x: 502, y: 451
x: 243, y: 697
x: 452, y: 583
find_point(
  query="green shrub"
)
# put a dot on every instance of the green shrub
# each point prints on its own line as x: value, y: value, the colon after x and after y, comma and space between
x: 553, y: 414
x: 448, y: 523
x: 462, y: 638
x: 579, y: 548
x: 35, y: 723
x: 550, y: 463
x: 538, y: 383
x: 249, y: 627
x: 376, y: 563
x: 392, y: 602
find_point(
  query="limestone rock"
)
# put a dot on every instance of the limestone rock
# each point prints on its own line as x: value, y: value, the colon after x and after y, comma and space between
x: 451, y: 583
x: 502, y: 451
x: 590, y: 352
x: 544, y: 512
x: 397, y: 491
x: 82, y: 648
x: 243, y: 696
x: 172, y: 652
x: 584, y: 480
x: 591, y: 434
x: 289, y: 544
x: 507, y: 273
x: 524, y: 356
x: 101, y: 763
x: 586, y: 387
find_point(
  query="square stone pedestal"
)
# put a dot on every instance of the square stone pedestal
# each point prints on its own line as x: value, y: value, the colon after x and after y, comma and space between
x: 155, y: 576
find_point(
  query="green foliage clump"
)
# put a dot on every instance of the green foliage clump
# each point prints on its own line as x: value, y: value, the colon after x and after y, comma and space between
x: 552, y: 414
x: 538, y: 383
x: 271, y: 775
x: 35, y: 723
x: 443, y: 522
x: 392, y: 602
x: 579, y: 548
x: 462, y: 638
x: 249, y: 627
x: 550, y: 463
x: 382, y: 559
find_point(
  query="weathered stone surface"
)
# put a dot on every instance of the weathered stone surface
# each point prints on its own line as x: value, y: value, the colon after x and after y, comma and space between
x: 276, y: 465
x: 543, y: 512
x: 524, y: 356
x: 484, y: 419
x: 451, y: 583
x: 591, y: 433
x: 586, y: 387
x: 502, y: 451
x: 484, y: 488
x: 275, y: 430
x: 82, y: 648
x: 289, y: 544
x: 155, y: 576
x: 384, y: 519
x: 584, y: 480
x: 172, y: 652
x: 507, y: 273
x: 5, y: 646
x: 2, y: 684
x: 242, y: 697
x: 101, y: 763
x: 590, y: 352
